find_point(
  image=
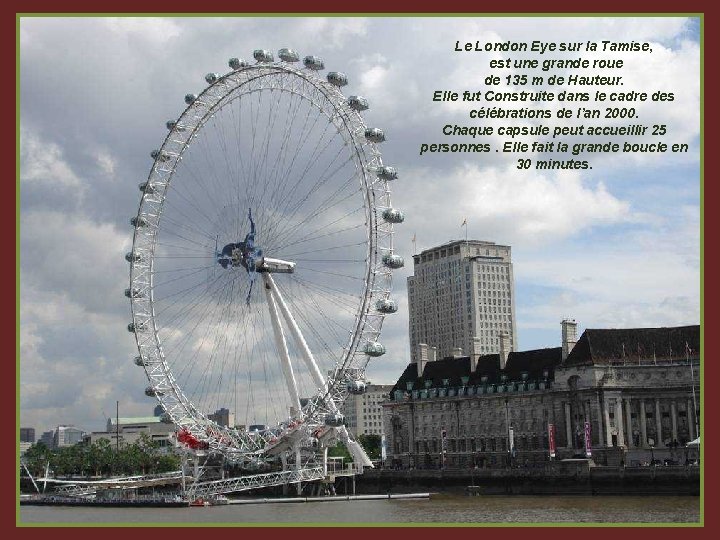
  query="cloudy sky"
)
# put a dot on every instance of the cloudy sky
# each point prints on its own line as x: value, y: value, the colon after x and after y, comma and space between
x: 615, y: 246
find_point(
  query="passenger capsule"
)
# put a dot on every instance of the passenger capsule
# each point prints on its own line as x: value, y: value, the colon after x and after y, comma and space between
x: 212, y: 78
x: 387, y: 173
x: 393, y: 215
x: 356, y: 388
x: 132, y: 327
x: 147, y: 187
x: 133, y: 293
x: 190, y: 98
x: 358, y: 103
x: 139, y: 361
x: 165, y: 418
x: 237, y: 63
x: 157, y: 155
x: 263, y: 56
x: 374, y: 135
x: 288, y: 55
x: 374, y: 348
x: 138, y: 221
x: 385, y: 305
x: 150, y: 392
x: 172, y: 124
x: 336, y: 78
x: 393, y: 261
x: 132, y: 257
x: 334, y: 419
x: 314, y: 62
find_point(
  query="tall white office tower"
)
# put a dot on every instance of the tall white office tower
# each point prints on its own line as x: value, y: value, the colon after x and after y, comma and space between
x: 462, y: 299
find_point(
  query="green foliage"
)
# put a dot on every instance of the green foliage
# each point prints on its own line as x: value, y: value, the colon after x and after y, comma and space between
x: 340, y: 451
x: 371, y: 444
x: 167, y: 463
x: 36, y: 457
x: 101, y: 458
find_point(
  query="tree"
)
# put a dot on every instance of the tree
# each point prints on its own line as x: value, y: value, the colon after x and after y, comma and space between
x: 340, y: 451
x: 105, y: 456
x: 36, y: 458
x: 130, y: 459
x: 167, y: 463
x: 100, y: 458
x: 67, y: 461
x: 372, y: 445
x: 148, y: 453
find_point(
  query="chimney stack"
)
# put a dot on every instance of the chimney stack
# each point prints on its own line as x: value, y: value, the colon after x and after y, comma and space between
x: 432, y: 354
x: 475, y: 356
x: 505, y: 348
x: 422, y: 358
x: 457, y: 352
x: 569, y: 336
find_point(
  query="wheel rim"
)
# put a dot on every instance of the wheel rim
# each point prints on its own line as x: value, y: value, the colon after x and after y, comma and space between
x: 284, y: 144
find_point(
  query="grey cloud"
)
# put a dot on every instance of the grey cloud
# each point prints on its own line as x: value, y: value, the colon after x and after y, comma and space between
x: 91, y: 87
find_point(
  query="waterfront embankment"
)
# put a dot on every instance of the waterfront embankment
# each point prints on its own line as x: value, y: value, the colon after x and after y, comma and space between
x: 556, y: 479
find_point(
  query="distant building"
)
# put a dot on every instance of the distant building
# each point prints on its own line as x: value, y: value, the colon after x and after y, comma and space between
x: 363, y: 412
x: 62, y: 436
x: 462, y: 299
x: 635, y: 392
x: 222, y: 417
x: 67, y: 436
x: 47, y: 438
x: 27, y: 434
x: 131, y: 429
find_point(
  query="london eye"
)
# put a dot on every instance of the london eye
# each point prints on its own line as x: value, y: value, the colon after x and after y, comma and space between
x: 262, y: 260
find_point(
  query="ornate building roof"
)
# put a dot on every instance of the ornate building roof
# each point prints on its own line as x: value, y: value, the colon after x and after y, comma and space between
x: 595, y: 347
x: 454, y: 369
x: 617, y: 345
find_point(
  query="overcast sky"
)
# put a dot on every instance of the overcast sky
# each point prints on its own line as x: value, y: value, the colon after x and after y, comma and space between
x: 615, y: 246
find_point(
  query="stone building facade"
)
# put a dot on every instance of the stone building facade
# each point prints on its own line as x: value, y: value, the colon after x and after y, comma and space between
x: 27, y: 434
x: 223, y: 417
x: 637, y: 390
x: 131, y: 430
x: 363, y: 412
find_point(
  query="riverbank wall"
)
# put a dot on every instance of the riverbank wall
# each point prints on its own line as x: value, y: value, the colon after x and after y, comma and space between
x: 560, y: 479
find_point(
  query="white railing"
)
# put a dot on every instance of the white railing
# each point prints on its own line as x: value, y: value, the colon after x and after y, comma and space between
x: 344, y: 469
x: 88, y: 487
x: 212, y: 487
x: 243, y: 483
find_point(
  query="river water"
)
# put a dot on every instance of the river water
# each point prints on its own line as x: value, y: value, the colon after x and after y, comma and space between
x: 438, y: 509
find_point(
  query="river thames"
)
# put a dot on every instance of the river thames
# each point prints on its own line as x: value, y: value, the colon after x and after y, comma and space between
x: 438, y: 509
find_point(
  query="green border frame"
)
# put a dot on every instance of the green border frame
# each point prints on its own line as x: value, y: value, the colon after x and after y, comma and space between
x: 698, y: 15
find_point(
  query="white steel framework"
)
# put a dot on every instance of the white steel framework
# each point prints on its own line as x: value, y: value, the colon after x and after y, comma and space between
x: 275, y: 153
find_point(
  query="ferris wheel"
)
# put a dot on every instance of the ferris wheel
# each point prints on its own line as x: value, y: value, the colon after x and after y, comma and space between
x: 262, y: 260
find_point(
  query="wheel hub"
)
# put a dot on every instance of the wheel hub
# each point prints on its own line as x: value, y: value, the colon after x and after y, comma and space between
x: 246, y: 253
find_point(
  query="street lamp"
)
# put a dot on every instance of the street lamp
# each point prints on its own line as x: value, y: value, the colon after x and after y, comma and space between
x: 443, y: 443
x: 507, y: 432
x: 652, y: 455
